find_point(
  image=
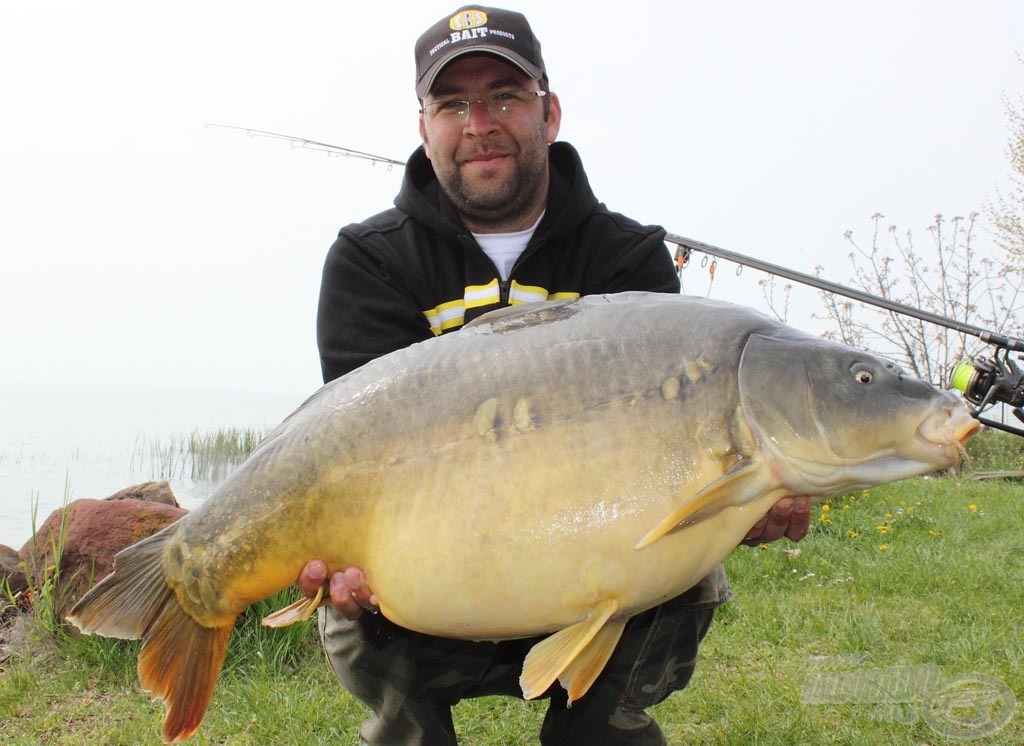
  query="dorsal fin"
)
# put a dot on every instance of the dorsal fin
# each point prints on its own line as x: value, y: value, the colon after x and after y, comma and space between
x: 523, y: 315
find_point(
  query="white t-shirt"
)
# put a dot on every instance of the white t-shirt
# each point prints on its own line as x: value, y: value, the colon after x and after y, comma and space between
x: 505, y: 248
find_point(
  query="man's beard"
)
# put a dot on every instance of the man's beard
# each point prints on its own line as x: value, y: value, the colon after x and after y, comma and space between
x: 508, y: 199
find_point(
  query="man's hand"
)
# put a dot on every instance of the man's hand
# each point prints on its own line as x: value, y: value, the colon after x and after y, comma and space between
x: 790, y: 516
x: 347, y: 590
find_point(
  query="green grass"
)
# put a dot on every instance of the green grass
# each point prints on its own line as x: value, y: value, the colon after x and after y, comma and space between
x: 925, y: 572
x: 996, y: 450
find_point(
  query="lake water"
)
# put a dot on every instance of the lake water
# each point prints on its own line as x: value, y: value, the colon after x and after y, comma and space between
x: 100, y: 440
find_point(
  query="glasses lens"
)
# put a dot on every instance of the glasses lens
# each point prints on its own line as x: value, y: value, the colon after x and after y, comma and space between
x: 501, y: 104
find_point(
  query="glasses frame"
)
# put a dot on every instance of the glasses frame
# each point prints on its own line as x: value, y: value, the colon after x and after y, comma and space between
x: 426, y: 109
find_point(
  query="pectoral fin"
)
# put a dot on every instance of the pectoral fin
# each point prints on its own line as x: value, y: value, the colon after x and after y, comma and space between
x: 735, y: 487
x: 577, y: 654
x: 299, y: 611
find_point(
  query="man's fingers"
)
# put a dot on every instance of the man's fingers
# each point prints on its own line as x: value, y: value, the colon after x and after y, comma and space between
x: 789, y: 517
x: 778, y: 520
x: 799, y: 519
x: 312, y: 577
x: 343, y: 599
x: 350, y: 594
x: 355, y: 579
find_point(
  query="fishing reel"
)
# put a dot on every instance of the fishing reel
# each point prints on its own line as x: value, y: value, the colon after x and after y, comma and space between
x: 987, y: 382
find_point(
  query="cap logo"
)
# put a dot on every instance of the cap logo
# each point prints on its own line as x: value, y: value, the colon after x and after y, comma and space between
x: 467, y: 19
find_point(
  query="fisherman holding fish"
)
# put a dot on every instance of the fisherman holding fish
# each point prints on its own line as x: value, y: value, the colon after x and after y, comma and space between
x: 561, y: 480
x: 492, y: 212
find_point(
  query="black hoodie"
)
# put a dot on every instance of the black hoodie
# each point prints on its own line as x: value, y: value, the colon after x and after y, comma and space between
x: 416, y: 271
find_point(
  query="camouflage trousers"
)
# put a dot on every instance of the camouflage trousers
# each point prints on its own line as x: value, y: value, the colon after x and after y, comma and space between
x: 411, y: 680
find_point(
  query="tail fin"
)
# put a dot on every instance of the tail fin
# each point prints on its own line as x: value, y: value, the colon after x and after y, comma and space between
x: 180, y: 659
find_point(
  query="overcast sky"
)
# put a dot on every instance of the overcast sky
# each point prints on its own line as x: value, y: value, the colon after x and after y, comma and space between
x: 140, y: 247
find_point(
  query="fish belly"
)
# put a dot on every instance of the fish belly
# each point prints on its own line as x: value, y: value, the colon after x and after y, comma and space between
x: 528, y: 533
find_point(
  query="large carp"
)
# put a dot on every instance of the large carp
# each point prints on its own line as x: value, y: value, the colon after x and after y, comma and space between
x: 563, y: 466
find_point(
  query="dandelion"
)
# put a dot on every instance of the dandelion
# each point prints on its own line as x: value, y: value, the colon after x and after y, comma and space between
x: 888, y: 516
x: 973, y: 508
x: 825, y: 518
x: 851, y: 534
x: 933, y: 532
x: 883, y: 528
x: 883, y: 547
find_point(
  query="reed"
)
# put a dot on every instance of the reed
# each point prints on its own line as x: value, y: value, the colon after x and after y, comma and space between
x: 199, y: 456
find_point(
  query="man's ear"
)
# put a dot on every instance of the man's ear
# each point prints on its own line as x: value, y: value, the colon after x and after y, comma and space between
x: 423, y: 136
x: 554, y: 117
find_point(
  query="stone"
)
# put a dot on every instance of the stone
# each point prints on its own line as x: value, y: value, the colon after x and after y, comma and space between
x: 93, y: 532
x: 12, y: 576
x: 157, y: 492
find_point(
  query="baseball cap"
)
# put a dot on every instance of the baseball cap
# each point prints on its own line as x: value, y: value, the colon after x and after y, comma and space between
x: 474, y: 28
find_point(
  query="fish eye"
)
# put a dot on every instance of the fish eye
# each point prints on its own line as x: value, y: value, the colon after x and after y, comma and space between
x: 862, y: 374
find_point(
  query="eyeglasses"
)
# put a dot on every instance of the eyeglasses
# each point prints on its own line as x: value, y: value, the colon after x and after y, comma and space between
x: 499, y: 105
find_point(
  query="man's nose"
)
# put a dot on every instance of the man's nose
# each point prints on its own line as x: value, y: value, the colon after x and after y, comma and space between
x: 479, y: 116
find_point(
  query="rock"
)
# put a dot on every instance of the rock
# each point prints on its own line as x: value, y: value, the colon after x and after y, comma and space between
x: 12, y: 576
x: 94, y: 531
x: 157, y: 492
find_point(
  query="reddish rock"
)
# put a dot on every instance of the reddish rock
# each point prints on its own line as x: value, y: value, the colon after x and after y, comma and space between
x: 12, y: 576
x: 94, y: 531
x: 157, y: 492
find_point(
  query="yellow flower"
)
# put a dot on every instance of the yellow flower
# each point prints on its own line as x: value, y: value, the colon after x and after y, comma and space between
x: 883, y: 528
x: 851, y: 534
x: 888, y: 516
x: 826, y: 508
x: 973, y: 508
x: 934, y: 533
x: 883, y: 548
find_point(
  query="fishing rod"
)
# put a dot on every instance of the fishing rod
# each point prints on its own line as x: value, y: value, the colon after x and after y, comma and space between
x: 986, y: 382
x: 323, y: 147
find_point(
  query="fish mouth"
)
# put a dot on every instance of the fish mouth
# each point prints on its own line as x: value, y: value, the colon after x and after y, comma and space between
x: 968, y: 430
x: 947, y: 432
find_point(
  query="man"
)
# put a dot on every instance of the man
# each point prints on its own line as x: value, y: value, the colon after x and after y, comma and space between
x: 492, y: 212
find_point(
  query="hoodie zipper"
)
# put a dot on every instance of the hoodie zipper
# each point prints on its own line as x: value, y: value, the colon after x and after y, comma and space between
x: 504, y: 286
